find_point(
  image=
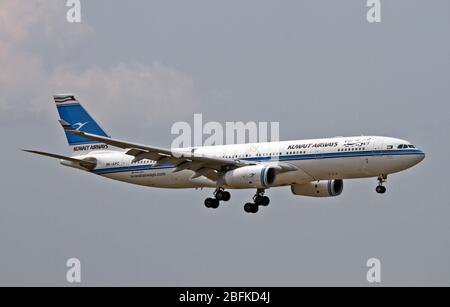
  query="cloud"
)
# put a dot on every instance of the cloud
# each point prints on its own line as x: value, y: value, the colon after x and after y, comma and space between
x: 27, y: 80
x: 155, y: 90
x: 26, y: 22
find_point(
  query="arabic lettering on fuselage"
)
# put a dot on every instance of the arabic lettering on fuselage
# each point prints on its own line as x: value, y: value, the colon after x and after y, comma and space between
x: 356, y: 142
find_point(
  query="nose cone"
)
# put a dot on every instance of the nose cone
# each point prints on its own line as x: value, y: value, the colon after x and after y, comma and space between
x: 420, y: 155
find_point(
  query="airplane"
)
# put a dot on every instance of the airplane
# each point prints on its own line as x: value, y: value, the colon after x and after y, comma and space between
x: 315, y: 167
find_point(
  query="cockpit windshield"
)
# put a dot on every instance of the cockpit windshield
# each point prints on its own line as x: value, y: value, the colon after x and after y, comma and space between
x: 403, y: 146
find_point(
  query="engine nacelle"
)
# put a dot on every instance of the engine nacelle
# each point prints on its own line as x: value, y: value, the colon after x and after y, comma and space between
x: 253, y: 176
x: 326, y: 188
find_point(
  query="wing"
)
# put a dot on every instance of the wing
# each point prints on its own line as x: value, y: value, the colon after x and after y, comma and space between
x: 183, y: 159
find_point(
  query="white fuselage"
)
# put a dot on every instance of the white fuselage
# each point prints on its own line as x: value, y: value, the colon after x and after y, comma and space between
x: 316, y: 159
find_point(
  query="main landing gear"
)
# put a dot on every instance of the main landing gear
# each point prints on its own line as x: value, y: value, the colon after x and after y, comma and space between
x: 219, y: 195
x: 258, y: 200
x: 381, y: 189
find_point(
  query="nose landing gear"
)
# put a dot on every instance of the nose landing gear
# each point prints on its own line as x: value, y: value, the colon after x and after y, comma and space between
x: 381, y: 189
x: 219, y: 195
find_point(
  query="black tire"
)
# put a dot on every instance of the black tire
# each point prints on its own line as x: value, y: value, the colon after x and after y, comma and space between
x: 258, y: 199
x: 248, y: 207
x: 265, y: 201
x: 219, y: 195
x: 381, y: 189
x: 262, y: 200
x: 208, y: 202
x: 214, y: 203
x: 226, y: 196
x: 255, y: 208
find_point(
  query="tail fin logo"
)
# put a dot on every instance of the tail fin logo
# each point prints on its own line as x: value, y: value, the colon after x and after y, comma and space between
x: 78, y: 126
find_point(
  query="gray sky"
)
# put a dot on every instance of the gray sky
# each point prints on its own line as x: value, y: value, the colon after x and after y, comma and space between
x: 317, y: 67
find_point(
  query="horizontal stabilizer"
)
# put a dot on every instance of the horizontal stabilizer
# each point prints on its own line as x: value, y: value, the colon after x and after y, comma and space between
x: 83, y: 163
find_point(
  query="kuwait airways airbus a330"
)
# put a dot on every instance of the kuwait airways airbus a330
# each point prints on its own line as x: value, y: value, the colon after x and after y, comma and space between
x: 314, y: 168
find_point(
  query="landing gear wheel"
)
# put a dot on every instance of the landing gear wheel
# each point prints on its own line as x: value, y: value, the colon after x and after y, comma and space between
x: 381, y: 189
x: 208, y: 202
x: 262, y: 200
x: 251, y: 208
x: 215, y: 204
x: 222, y: 195
x: 226, y: 196
x: 248, y: 207
x: 211, y: 203
x: 219, y: 194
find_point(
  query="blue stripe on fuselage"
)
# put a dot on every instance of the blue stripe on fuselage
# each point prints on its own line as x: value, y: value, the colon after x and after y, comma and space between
x: 343, y: 154
x: 111, y: 170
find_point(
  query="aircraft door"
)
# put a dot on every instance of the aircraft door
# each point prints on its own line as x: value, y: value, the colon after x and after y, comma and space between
x: 370, y: 161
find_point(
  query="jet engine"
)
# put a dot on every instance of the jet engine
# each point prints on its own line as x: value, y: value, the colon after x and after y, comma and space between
x: 324, y: 188
x: 253, y: 176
